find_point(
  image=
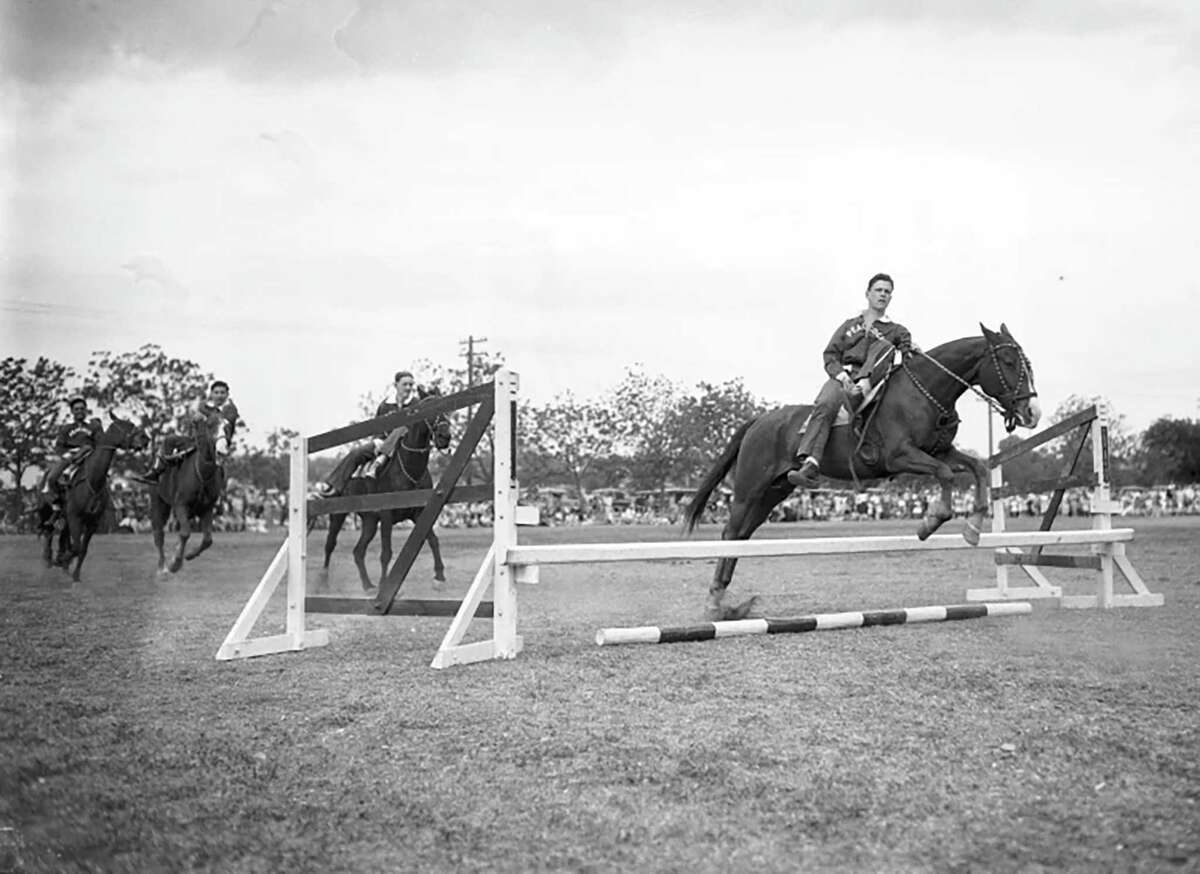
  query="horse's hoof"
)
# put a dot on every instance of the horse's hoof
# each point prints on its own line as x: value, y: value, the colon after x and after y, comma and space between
x: 971, y: 534
x: 721, y: 613
x: 923, y: 531
x: 176, y: 565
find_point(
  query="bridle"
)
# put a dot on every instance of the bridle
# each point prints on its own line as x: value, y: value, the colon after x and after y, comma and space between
x: 1010, y: 394
x: 431, y: 426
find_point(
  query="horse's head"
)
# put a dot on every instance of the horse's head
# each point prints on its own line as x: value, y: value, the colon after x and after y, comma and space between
x: 439, y: 425
x: 206, y: 428
x: 124, y: 434
x: 1007, y: 376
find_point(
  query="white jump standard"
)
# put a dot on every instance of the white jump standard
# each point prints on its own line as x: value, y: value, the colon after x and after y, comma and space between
x: 800, y: 624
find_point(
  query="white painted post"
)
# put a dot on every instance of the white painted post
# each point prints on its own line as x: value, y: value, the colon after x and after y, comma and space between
x: 297, y: 539
x: 504, y: 511
x: 1102, y: 506
x: 998, y: 523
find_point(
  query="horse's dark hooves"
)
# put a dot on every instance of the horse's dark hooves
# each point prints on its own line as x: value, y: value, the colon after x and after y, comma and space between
x: 971, y: 534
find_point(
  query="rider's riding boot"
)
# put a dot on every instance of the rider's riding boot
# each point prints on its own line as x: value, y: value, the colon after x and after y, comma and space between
x: 151, y: 476
x: 323, y: 490
x: 806, y: 474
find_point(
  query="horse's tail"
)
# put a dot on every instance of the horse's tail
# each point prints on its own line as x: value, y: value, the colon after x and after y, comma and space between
x: 713, y: 478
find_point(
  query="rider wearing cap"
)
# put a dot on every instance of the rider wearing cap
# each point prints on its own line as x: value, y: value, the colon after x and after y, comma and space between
x: 378, y: 451
x: 852, y: 353
x: 73, y: 441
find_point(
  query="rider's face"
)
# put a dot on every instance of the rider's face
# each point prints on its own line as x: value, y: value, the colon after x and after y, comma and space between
x: 879, y: 295
x: 78, y: 412
x: 404, y: 387
x: 219, y: 395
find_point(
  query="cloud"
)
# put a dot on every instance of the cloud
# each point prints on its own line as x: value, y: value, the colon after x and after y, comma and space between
x: 64, y: 41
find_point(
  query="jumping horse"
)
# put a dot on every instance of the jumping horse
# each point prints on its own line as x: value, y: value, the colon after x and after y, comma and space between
x: 86, y: 498
x: 911, y: 429
x: 189, y: 489
x: 407, y: 468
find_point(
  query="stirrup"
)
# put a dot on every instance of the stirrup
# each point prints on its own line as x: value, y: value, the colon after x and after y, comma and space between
x: 808, y: 474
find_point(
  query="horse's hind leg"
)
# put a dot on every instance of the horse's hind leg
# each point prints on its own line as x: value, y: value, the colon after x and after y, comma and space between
x: 336, y: 521
x: 370, y: 521
x: 744, y: 519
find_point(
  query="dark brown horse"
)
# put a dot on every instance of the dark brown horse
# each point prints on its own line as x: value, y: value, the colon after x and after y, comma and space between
x: 190, y: 489
x: 911, y: 430
x: 86, y: 499
x: 406, y: 469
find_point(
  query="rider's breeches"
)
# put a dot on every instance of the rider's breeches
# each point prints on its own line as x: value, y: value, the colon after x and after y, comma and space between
x: 825, y: 410
x: 339, y: 477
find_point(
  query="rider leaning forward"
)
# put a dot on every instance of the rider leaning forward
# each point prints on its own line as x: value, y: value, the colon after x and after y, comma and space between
x: 216, y: 404
x: 73, y: 441
x: 381, y: 449
x: 855, y: 348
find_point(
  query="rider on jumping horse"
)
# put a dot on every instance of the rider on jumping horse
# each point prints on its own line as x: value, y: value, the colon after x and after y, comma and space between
x: 854, y: 351
x: 174, y: 446
x: 74, y: 441
x: 378, y: 451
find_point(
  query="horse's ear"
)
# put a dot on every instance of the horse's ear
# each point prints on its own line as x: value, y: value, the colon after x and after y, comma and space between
x: 1004, y: 330
x: 984, y: 329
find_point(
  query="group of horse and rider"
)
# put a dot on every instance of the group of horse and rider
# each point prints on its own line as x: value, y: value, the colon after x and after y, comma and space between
x: 886, y: 407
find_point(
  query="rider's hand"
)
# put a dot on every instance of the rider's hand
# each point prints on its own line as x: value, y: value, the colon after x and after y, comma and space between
x: 863, y: 386
x: 847, y: 383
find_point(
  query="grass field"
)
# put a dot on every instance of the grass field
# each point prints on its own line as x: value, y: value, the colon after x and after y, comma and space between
x: 1065, y: 740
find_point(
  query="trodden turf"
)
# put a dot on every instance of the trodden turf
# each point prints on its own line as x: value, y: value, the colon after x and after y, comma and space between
x: 1063, y: 740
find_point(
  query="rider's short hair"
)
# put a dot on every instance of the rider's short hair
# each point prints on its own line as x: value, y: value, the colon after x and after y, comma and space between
x: 400, y: 374
x: 879, y: 276
x: 77, y: 399
x: 220, y: 383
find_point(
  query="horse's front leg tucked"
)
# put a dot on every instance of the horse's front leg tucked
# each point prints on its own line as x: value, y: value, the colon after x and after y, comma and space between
x: 910, y: 459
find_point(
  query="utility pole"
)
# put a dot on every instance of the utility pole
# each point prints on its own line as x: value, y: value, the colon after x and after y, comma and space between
x: 469, y: 343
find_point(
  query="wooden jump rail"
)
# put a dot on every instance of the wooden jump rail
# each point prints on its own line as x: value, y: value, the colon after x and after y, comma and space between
x: 1108, y: 551
x: 290, y: 560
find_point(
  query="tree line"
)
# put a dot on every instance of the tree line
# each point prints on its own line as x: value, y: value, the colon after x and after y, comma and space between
x: 646, y: 432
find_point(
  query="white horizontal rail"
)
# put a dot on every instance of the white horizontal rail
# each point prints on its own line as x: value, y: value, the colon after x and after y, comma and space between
x: 579, y: 553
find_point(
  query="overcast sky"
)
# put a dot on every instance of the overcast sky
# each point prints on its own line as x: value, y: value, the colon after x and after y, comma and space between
x: 304, y: 196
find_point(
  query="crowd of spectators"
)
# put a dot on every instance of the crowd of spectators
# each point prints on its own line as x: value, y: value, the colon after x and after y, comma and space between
x: 248, y: 508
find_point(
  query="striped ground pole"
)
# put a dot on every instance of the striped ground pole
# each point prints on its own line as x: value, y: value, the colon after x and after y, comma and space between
x: 816, y: 622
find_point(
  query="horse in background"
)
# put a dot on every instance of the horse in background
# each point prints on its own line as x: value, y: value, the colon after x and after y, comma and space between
x: 406, y: 469
x: 910, y: 429
x: 86, y: 498
x: 189, y: 489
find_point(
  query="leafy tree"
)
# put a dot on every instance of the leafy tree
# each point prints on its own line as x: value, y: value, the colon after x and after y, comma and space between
x: 268, y: 468
x: 567, y: 437
x: 31, y: 405
x: 705, y: 420
x: 647, y: 419
x: 147, y: 385
x: 1171, y: 451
